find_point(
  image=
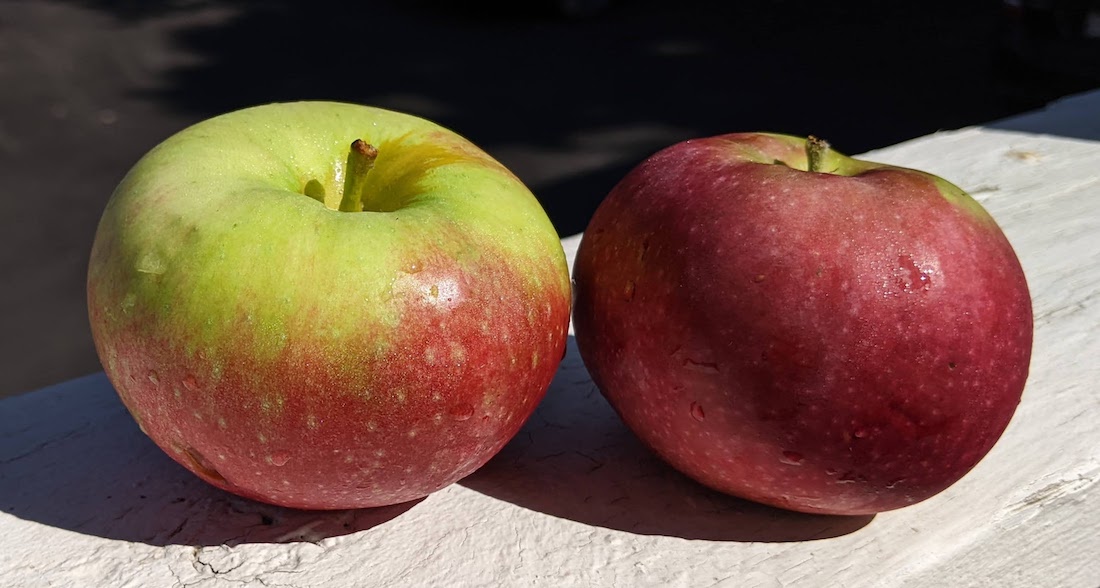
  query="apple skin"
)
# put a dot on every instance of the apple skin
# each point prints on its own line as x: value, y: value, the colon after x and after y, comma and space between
x: 845, y: 343
x: 316, y: 359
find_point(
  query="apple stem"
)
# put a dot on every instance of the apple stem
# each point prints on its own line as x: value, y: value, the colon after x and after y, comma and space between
x: 815, y: 153
x: 361, y: 158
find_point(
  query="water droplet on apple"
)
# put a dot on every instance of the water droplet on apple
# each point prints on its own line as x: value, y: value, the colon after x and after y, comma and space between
x: 850, y: 478
x: 200, y: 465
x: 695, y: 364
x: 911, y: 277
x: 925, y: 280
x: 461, y: 412
x: 190, y: 383
x: 697, y: 412
x: 154, y: 378
x: 705, y: 367
x: 413, y: 268
x: 791, y: 458
x: 280, y: 458
x: 150, y: 263
x: 859, y: 433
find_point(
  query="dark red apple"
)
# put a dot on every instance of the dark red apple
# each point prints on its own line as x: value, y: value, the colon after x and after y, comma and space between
x: 802, y: 329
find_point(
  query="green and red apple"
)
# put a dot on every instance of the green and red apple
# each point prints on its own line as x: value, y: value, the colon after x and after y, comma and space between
x: 799, y: 328
x: 324, y: 305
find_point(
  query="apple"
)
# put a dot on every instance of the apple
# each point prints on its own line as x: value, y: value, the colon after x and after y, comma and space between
x: 799, y: 328
x: 327, y: 306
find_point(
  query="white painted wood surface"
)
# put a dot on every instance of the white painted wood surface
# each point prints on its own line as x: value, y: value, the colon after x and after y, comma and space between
x: 87, y: 500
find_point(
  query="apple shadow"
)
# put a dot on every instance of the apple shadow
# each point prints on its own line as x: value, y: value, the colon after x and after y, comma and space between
x: 71, y: 457
x: 576, y: 460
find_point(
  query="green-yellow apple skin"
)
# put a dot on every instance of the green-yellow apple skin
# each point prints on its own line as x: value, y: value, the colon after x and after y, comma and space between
x: 295, y: 354
x: 846, y: 341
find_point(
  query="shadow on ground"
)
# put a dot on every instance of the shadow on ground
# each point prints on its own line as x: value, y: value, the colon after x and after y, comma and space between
x: 576, y: 460
x: 73, y: 458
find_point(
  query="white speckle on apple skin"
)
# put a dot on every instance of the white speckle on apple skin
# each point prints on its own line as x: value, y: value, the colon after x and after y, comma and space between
x: 128, y: 302
x: 458, y: 352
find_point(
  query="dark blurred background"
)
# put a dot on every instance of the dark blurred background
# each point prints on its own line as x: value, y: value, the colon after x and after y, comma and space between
x: 568, y: 93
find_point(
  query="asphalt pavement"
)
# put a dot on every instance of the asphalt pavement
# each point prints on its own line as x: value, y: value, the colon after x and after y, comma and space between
x: 569, y: 103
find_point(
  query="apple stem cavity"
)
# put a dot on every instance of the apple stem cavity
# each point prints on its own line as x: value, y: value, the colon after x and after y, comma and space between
x: 815, y: 153
x: 361, y: 158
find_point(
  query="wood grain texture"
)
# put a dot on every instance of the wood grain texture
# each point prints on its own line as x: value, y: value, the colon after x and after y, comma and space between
x: 574, y: 500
